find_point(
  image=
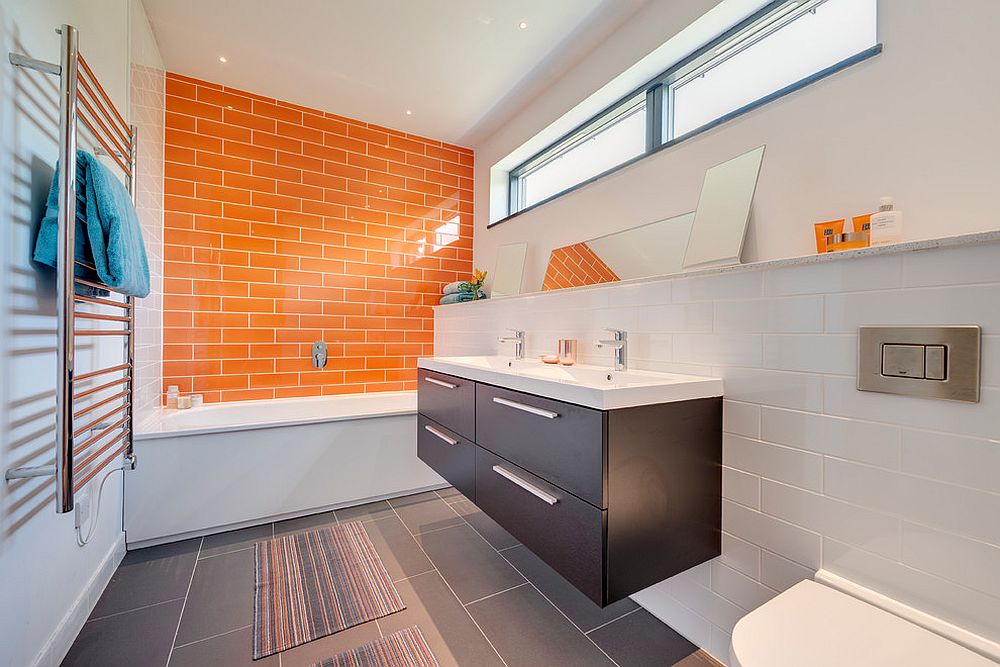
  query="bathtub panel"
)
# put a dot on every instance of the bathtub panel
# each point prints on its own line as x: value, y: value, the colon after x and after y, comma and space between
x: 187, y: 485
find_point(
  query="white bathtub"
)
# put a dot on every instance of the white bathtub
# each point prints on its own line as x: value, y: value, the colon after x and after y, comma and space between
x: 231, y: 465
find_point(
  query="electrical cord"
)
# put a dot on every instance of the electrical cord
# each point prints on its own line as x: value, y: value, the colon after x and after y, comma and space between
x: 97, y: 511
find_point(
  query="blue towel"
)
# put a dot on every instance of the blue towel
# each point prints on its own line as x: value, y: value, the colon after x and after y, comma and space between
x: 107, y: 229
x: 460, y: 297
x: 458, y: 287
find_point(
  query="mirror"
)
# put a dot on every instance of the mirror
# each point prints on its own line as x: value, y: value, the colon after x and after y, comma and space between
x: 720, y: 223
x: 710, y: 236
x: 653, y: 249
x: 509, y: 269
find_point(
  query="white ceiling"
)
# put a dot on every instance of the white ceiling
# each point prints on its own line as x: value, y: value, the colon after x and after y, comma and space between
x: 455, y: 64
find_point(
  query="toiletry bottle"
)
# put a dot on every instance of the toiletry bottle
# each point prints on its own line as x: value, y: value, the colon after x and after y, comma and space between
x: 173, y: 393
x: 887, y: 223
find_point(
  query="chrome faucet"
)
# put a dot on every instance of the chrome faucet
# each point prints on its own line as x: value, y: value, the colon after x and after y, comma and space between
x: 620, y: 345
x: 517, y: 339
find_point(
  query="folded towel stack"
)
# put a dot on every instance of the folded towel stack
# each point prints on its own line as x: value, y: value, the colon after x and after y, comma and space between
x: 107, y: 230
x: 459, y: 292
x: 460, y: 297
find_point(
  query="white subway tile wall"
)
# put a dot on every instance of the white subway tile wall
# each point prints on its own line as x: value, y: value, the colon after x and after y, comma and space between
x: 147, y: 109
x: 899, y: 494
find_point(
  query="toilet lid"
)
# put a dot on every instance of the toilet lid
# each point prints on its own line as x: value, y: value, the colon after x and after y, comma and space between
x: 812, y: 624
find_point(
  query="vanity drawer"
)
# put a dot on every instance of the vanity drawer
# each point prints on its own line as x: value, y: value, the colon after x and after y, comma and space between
x: 562, y: 530
x: 449, y: 454
x: 448, y: 400
x: 560, y: 442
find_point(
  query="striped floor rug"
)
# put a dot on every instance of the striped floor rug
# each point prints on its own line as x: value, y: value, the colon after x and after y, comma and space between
x: 313, y: 584
x: 406, y: 648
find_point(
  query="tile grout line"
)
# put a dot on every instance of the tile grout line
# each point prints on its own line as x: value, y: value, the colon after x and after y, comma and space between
x: 184, y: 604
x: 613, y: 620
x: 129, y: 611
x: 545, y: 597
x: 487, y: 597
x: 457, y: 599
x: 221, y: 634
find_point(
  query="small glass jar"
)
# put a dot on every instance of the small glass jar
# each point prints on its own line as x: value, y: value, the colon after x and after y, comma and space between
x: 197, y: 400
x: 567, y: 351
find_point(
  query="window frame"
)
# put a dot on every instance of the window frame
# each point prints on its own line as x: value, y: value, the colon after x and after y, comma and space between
x: 657, y: 96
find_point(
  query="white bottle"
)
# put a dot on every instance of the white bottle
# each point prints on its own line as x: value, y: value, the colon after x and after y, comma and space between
x: 173, y: 393
x: 887, y: 224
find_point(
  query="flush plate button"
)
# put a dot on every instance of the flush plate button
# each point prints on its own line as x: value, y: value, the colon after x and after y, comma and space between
x: 934, y: 362
x: 931, y: 362
x: 906, y: 361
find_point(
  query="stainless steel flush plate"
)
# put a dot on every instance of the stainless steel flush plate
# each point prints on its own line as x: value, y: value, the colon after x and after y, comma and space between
x: 931, y: 362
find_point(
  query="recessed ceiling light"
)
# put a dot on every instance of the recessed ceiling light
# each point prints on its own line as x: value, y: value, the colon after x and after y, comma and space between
x: 223, y: 59
x: 409, y: 113
x: 522, y: 25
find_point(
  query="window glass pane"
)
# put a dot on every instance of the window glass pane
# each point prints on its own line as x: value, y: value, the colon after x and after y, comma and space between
x: 836, y: 30
x: 622, y: 141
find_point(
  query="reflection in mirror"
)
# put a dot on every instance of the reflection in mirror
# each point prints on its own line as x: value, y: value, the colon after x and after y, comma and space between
x: 720, y: 223
x: 653, y: 249
x: 509, y: 269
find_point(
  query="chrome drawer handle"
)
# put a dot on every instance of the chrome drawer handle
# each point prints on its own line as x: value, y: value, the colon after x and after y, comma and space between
x: 527, y: 486
x: 548, y: 414
x: 441, y: 383
x: 431, y: 429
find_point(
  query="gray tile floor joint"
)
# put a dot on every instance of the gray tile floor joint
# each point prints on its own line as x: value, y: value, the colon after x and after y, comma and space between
x: 129, y: 611
x: 487, y: 597
x: 418, y: 574
x: 613, y: 620
x: 225, y: 553
x: 221, y: 634
x: 194, y: 569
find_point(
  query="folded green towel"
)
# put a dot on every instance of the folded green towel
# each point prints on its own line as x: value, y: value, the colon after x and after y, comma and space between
x: 107, y: 229
x: 458, y: 287
x: 460, y: 297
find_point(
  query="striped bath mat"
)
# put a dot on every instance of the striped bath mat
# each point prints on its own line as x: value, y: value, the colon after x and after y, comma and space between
x: 310, y: 585
x: 406, y: 648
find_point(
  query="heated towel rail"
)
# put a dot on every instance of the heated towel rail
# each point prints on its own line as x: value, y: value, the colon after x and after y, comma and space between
x: 94, y: 410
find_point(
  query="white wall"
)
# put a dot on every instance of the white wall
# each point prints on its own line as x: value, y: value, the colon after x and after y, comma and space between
x: 49, y: 584
x: 918, y: 122
x: 899, y: 494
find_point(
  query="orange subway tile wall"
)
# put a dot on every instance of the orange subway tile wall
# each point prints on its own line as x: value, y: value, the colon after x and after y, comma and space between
x: 574, y: 266
x: 286, y: 225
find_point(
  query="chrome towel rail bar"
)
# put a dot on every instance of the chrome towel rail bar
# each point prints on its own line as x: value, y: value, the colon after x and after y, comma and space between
x: 85, y: 104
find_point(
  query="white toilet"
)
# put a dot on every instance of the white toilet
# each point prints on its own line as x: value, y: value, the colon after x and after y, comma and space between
x: 812, y: 625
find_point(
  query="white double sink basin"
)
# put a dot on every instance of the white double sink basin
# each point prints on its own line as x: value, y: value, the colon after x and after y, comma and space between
x: 590, y: 386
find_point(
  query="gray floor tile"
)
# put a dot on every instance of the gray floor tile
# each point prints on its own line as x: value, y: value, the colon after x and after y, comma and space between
x: 304, y: 523
x: 641, y: 639
x: 234, y: 540
x: 451, y: 494
x: 402, y: 501
x: 399, y: 551
x: 221, y: 597
x: 140, y: 637
x: 326, y: 647
x: 453, y: 637
x: 366, y: 512
x: 147, y: 576
x: 699, y: 659
x: 424, y: 512
x: 469, y: 565
x: 491, y: 531
x: 233, y: 649
x: 527, y: 630
x: 581, y: 610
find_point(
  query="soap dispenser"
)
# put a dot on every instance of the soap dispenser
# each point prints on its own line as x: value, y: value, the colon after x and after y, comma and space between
x: 887, y: 223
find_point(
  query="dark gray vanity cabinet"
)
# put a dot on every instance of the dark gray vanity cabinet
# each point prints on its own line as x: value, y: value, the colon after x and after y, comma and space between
x: 613, y: 500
